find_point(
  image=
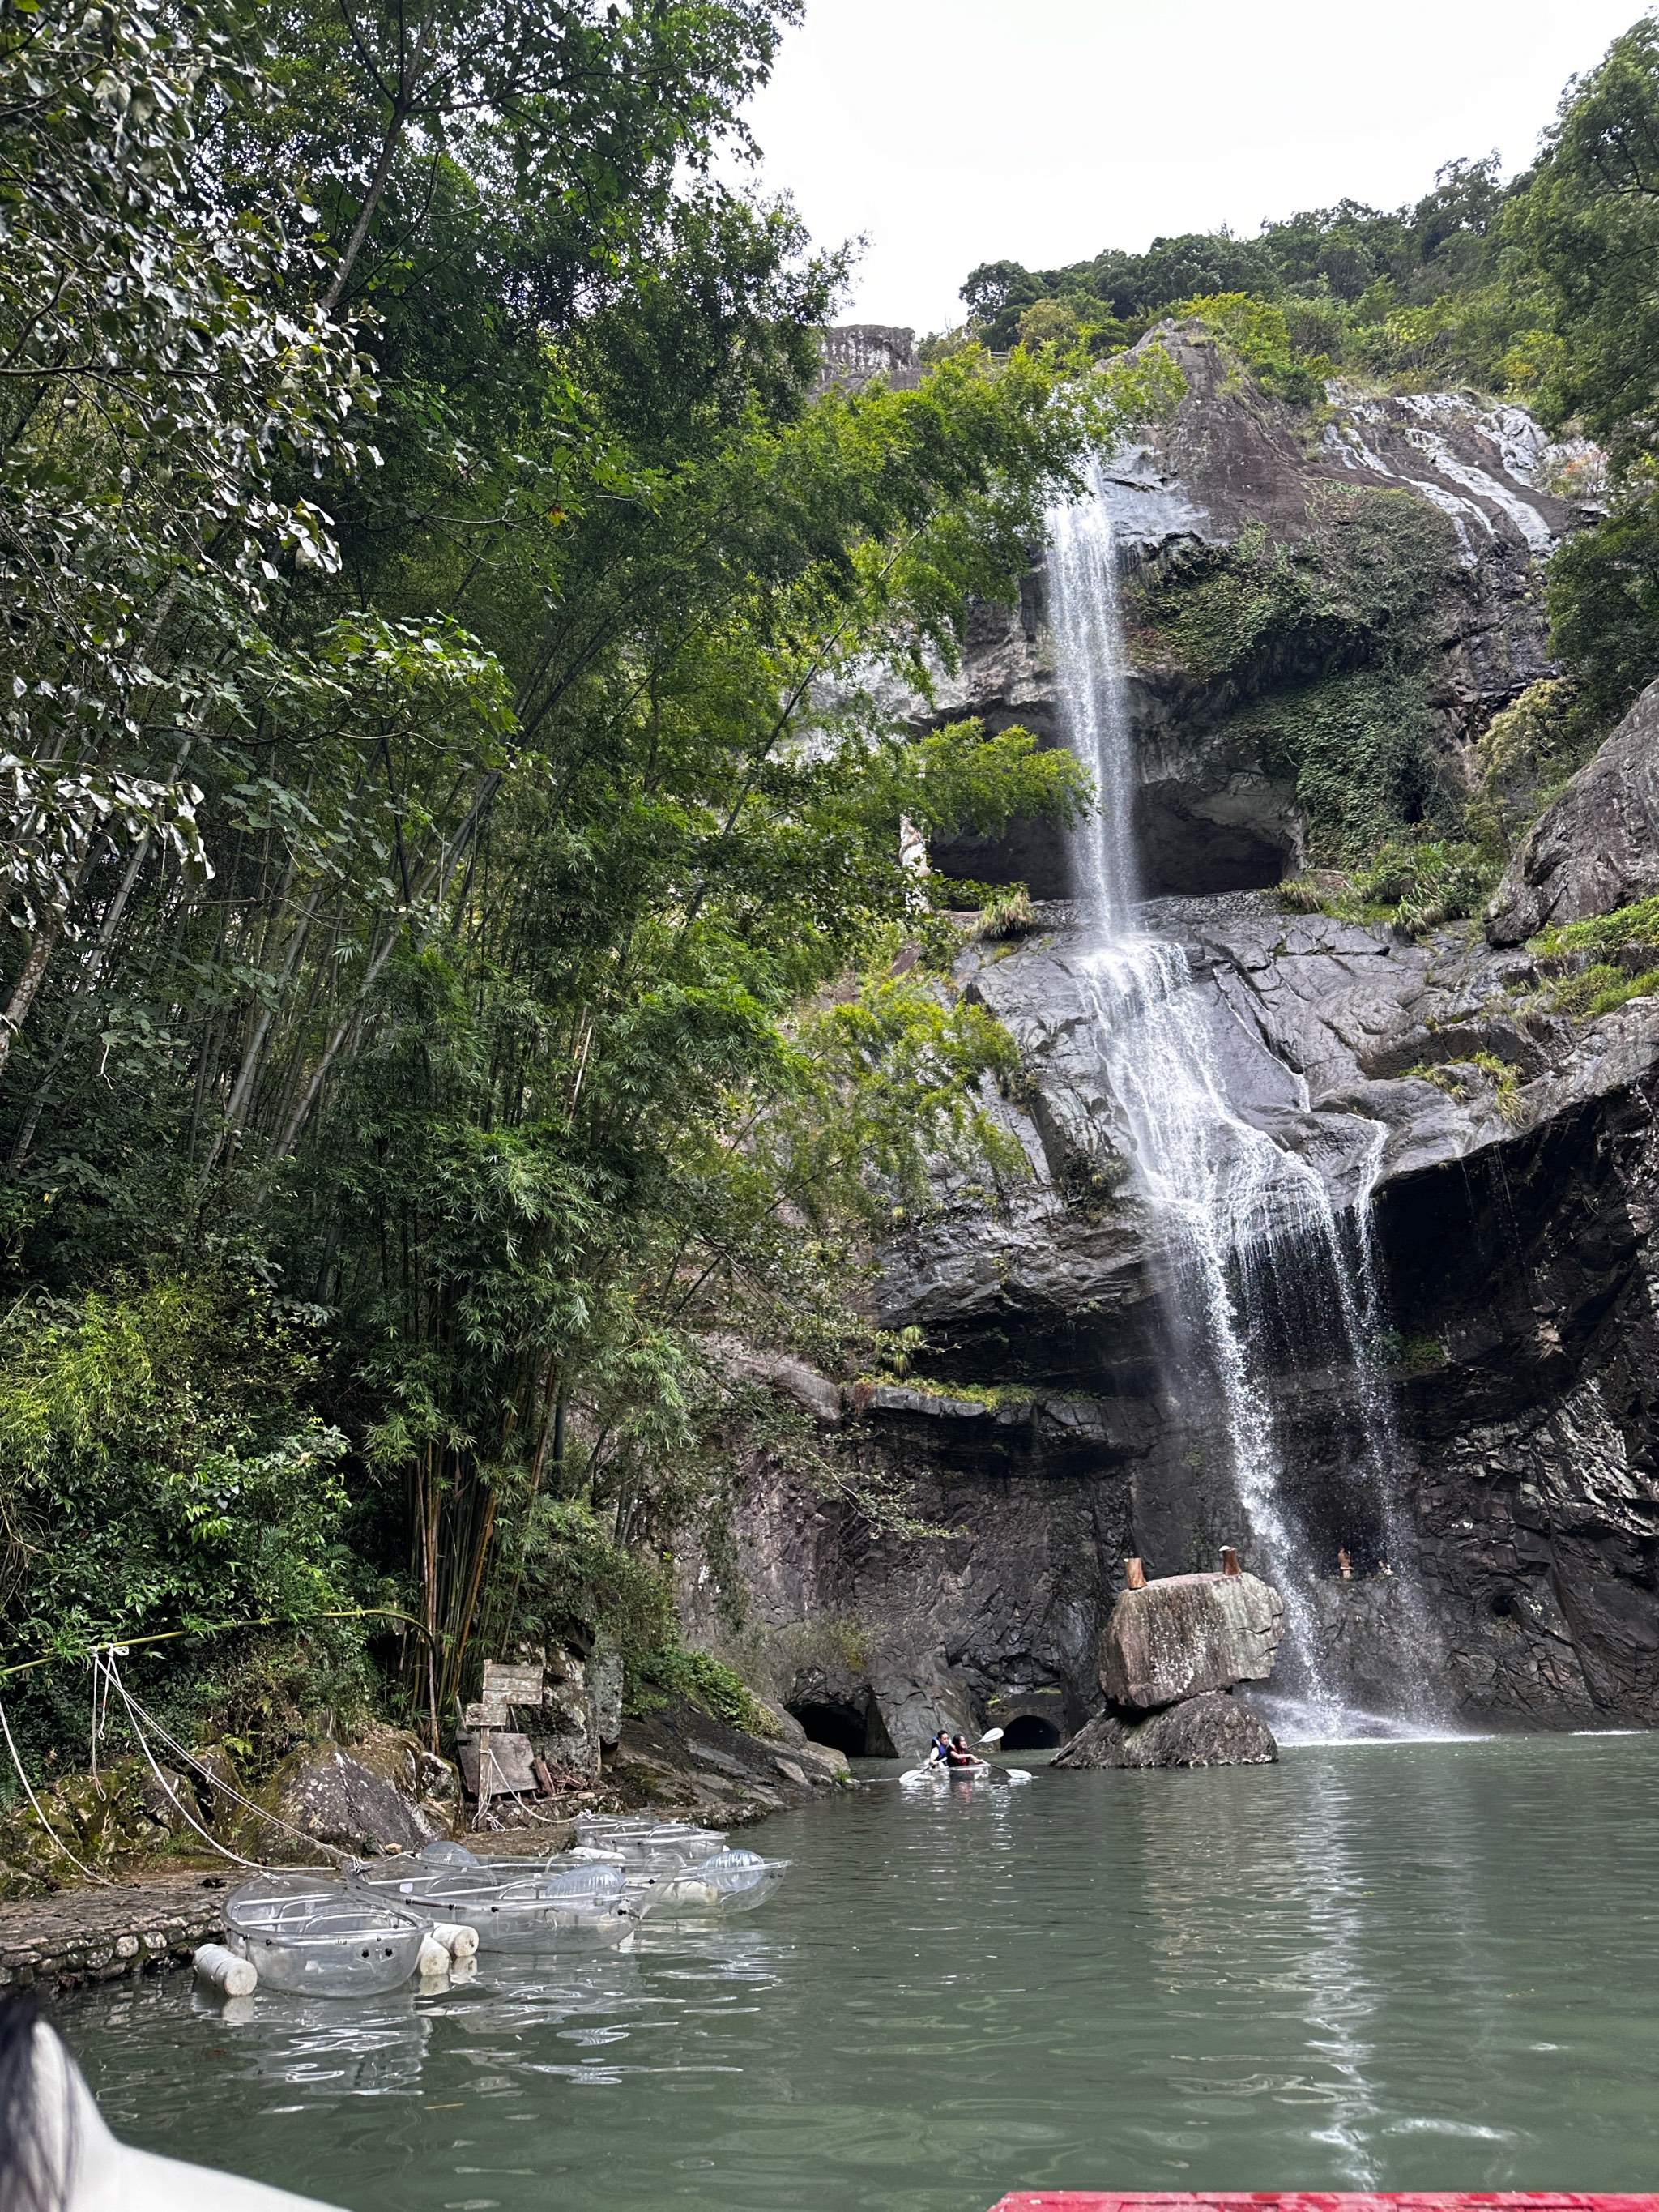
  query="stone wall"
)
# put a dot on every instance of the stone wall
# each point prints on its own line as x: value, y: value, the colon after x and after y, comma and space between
x: 84, y: 1935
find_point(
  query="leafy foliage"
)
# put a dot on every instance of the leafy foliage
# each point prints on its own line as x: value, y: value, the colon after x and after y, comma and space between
x: 159, y: 1468
x: 696, y: 1678
x: 1417, y: 292
x: 1327, y: 638
x: 453, y: 833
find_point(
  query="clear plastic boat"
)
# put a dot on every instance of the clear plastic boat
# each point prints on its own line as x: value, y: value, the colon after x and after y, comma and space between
x: 669, y: 1842
x: 583, y: 1908
x: 727, y: 1881
x: 444, y: 1851
x: 320, y: 1938
x: 940, y: 1776
x: 410, y: 1879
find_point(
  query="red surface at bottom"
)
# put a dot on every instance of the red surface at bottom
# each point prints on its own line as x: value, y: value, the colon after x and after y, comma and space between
x: 1291, y: 2200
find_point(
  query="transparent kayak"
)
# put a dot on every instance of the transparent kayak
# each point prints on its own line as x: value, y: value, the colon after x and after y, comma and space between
x: 409, y: 1880
x: 320, y: 1938
x: 726, y: 1882
x: 584, y: 1908
x: 672, y: 1842
x: 938, y: 1776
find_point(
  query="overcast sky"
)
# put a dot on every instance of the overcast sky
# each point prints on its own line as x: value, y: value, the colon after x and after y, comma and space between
x: 949, y: 132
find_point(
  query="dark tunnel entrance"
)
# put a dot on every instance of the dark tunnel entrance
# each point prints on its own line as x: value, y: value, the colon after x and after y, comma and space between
x: 1030, y: 1732
x: 854, y: 1729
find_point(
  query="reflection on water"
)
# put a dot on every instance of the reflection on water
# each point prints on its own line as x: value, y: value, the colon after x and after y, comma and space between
x: 1394, y: 1965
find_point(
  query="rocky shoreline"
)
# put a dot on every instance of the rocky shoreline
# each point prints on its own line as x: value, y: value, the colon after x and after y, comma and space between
x: 680, y: 1762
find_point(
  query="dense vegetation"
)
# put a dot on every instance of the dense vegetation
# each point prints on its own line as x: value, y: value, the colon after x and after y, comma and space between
x: 441, y: 785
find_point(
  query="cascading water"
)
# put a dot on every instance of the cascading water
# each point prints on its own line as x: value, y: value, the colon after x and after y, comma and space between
x: 1260, y: 1256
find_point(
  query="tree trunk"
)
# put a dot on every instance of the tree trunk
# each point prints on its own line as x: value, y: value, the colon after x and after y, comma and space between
x: 23, y: 990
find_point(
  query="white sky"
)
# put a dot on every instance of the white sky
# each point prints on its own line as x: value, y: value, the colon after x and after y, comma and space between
x: 949, y: 132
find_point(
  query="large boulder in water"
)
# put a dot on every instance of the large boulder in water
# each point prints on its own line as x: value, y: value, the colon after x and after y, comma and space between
x: 1188, y: 1634
x: 1215, y: 1729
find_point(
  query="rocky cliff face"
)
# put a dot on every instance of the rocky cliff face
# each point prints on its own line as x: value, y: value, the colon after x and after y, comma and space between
x: 1296, y: 585
x: 1510, y: 1143
x: 1515, y: 1212
x: 1597, y: 848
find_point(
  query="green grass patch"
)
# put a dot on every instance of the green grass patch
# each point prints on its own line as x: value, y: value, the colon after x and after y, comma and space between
x: 1454, y: 1078
x: 1413, y: 886
x: 672, y: 1675
x: 1412, y: 1355
x: 1637, y: 924
x: 1598, y: 989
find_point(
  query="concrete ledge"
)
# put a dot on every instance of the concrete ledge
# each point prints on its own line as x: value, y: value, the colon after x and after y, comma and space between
x: 81, y: 1935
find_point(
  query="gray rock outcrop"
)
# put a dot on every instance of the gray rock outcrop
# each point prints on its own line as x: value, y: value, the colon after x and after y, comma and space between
x: 1217, y: 808
x: 1215, y: 1729
x: 1171, y: 1654
x: 1186, y: 1634
x: 379, y: 1795
x: 1597, y: 848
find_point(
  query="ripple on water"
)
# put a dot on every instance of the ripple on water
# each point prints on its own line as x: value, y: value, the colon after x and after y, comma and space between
x: 1429, y: 1968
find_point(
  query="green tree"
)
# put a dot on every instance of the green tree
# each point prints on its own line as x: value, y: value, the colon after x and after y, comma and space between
x: 1589, y: 225
x: 539, y: 793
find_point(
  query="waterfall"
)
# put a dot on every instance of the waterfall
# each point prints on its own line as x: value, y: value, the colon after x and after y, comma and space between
x: 1262, y: 1263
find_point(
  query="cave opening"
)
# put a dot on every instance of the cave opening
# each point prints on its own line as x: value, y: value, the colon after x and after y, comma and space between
x: 840, y: 1728
x: 1186, y: 855
x: 1030, y: 1732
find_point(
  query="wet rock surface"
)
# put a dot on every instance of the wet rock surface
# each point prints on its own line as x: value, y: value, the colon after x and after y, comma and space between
x: 1597, y: 848
x: 1514, y: 1208
x: 1188, y: 1634
x: 1215, y: 1729
x: 687, y: 1766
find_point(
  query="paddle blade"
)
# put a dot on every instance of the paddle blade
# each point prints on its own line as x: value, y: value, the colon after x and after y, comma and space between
x: 992, y: 1735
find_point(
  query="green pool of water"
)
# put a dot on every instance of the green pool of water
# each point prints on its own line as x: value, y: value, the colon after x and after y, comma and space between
x: 1408, y: 1965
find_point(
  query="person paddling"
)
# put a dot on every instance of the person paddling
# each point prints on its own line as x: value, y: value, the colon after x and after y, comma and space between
x: 957, y: 1752
x: 938, y: 1752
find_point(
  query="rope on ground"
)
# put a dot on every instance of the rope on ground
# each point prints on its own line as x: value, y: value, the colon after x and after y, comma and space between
x: 52, y: 1836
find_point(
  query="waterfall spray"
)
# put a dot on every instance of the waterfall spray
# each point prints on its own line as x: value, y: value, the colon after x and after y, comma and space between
x: 1256, y: 1241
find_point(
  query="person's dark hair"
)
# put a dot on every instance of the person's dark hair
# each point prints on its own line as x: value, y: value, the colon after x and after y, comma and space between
x: 31, y: 2177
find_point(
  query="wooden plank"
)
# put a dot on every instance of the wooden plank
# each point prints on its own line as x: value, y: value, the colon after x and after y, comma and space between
x: 511, y: 1771
x: 512, y: 1686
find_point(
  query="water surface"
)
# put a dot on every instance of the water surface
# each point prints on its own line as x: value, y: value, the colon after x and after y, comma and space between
x: 1402, y: 1965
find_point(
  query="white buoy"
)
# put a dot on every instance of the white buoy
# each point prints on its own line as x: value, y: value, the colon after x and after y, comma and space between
x: 222, y: 1969
x: 458, y: 1940
x: 434, y: 1959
